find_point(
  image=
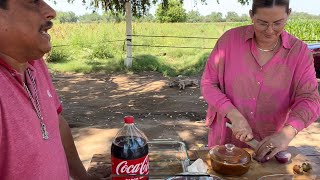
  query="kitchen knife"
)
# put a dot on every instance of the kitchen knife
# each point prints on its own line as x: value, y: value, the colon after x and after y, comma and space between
x: 252, y: 143
x: 282, y: 156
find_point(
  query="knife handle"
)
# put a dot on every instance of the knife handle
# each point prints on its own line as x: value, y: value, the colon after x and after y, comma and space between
x: 252, y: 143
x: 229, y: 125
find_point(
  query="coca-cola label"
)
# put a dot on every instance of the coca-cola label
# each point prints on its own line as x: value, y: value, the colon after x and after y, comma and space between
x: 130, y: 167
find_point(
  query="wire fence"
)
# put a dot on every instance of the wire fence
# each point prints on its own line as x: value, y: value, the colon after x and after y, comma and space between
x: 179, y: 37
x: 77, y: 44
x: 129, y: 37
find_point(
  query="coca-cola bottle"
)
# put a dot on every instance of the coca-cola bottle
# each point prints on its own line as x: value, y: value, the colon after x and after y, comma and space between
x: 129, y: 153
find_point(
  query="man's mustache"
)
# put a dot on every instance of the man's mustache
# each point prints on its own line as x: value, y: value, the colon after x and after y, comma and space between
x: 47, y: 25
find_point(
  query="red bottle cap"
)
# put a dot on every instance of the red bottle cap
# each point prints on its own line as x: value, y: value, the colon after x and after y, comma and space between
x: 128, y: 119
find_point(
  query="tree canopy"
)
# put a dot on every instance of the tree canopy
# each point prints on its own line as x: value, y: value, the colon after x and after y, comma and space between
x: 174, y: 12
x: 139, y: 7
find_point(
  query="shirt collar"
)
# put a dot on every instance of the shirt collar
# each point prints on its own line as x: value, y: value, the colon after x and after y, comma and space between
x: 249, y: 34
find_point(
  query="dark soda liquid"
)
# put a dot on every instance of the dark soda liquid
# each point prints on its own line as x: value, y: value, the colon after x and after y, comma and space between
x: 129, y: 147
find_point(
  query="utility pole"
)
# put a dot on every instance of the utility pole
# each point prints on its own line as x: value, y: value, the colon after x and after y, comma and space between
x: 128, y: 60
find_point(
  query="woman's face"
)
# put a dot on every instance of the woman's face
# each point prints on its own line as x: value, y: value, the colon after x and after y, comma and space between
x: 268, y: 23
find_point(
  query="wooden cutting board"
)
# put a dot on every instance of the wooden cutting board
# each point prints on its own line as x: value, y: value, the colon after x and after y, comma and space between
x: 258, y: 170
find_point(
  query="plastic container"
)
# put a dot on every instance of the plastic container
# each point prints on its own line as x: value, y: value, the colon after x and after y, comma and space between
x: 167, y: 158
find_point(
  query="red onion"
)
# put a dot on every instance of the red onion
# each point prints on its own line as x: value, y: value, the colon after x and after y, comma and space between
x: 283, y: 157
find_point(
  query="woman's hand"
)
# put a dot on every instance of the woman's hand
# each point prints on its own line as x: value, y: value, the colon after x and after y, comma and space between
x: 275, y: 143
x: 240, y: 126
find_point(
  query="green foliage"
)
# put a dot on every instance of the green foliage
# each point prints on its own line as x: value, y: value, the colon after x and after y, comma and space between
x: 194, y: 16
x: 102, y: 51
x: 144, y: 18
x: 232, y: 17
x: 57, y: 55
x: 92, y: 49
x: 304, y: 29
x: 174, y: 12
x: 66, y: 17
x: 146, y: 63
x: 303, y: 16
x: 92, y: 17
x: 214, y: 17
x: 110, y: 17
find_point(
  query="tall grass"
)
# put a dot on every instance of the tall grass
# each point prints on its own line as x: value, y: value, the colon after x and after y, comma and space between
x: 100, y: 47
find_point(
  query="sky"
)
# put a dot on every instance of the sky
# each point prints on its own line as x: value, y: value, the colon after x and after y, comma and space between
x: 309, y: 6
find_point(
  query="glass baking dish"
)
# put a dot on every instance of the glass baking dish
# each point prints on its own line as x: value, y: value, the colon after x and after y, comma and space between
x: 167, y: 158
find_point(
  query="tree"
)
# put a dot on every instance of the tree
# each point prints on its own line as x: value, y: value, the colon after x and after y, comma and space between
x: 303, y: 15
x: 232, y: 17
x: 92, y: 17
x: 144, y: 18
x: 174, y: 12
x: 139, y: 7
x: 111, y: 17
x: 194, y: 16
x: 66, y: 17
x: 244, y: 17
x: 214, y: 17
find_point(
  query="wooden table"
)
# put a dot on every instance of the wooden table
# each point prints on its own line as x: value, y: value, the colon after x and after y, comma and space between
x: 100, y: 166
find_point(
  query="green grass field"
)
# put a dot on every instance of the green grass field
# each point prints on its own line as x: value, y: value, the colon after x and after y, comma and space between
x: 100, y: 47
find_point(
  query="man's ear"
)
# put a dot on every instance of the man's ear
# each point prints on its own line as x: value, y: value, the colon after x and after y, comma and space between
x: 289, y: 11
x: 251, y: 15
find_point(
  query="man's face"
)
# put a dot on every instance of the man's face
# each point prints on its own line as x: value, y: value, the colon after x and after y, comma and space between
x: 269, y: 23
x: 23, y: 29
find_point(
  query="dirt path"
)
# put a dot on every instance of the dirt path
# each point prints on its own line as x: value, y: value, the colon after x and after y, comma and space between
x: 95, y: 105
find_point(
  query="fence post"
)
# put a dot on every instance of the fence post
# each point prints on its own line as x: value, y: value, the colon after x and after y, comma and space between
x: 128, y: 60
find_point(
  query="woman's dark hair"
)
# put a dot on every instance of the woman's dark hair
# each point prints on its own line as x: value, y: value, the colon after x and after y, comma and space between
x: 3, y: 4
x: 268, y: 4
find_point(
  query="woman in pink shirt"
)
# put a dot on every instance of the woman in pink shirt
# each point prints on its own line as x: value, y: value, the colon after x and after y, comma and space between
x: 262, y: 80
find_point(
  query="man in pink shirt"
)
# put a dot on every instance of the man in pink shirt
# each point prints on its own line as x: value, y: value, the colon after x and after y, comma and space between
x: 262, y: 80
x: 35, y: 140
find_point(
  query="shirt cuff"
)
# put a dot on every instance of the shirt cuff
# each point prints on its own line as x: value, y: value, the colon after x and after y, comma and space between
x: 296, y: 123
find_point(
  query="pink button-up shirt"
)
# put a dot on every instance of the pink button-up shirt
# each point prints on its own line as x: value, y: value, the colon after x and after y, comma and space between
x: 282, y: 92
x: 23, y: 152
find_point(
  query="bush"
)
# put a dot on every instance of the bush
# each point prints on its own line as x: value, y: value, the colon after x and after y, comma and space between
x: 145, y: 63
x: 103, y: 51
x: 57, y: 55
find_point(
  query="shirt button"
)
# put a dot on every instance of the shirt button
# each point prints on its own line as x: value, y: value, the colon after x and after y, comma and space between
x: 251, y: 113
x: 259, y: 83
x: 254, y: 99
x: 261, y: 68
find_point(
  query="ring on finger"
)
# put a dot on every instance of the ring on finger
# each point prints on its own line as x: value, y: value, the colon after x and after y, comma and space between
x: 270, y: 146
